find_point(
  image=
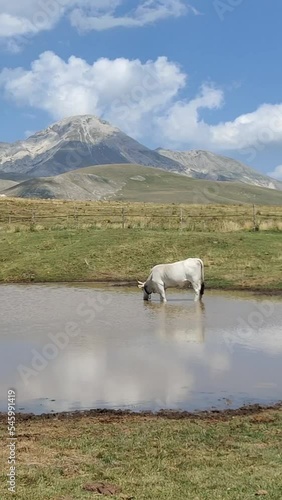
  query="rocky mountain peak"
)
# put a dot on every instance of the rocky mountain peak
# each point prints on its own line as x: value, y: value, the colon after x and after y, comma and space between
x: 85, y: 140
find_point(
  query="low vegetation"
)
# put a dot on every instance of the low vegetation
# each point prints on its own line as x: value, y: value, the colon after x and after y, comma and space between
x: 64, y: 241
x: 147, y: 457
x: 242, y: 260
x: 137, y: 183
x: 18, y: 214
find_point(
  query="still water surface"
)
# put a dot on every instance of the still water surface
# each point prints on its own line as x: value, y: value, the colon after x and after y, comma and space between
x: 68, y: 347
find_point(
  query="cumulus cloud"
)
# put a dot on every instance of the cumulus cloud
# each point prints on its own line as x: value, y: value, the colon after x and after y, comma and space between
x: 276, y: 173
x: 261, y: 127
x: 123, y: 91
x: 142, y: 99
x: 183, y: 124
x: 20, y: 20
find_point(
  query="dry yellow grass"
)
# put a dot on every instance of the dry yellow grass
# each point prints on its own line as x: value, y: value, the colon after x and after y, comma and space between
x: 147, y: 457
x: 17, y: 214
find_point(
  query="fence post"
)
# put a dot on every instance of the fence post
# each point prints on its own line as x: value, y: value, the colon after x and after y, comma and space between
x: 181, y: 218
x: 123, y: 218
x: 254, y: 219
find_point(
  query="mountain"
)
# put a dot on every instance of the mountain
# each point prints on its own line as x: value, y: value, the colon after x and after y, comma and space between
x: 73, y: 143
x: 6, y: 184
x: 81, y: 141
x: 207, y: 165
x: 128, y: 182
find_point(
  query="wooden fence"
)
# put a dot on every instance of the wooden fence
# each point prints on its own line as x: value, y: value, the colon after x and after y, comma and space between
x: 248, y: 218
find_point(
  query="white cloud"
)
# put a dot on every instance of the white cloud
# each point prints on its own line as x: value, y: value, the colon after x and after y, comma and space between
x: 183, y: 125
x: 147, y: 12
x: 262, y: 126
x: 142, y: 99
x: 13, y: 25
x: 276, y: 173
x: 28, y: 17
x: 123, y: 91
x: 20, y: 20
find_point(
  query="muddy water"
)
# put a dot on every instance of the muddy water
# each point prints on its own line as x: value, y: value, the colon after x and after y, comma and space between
x: 69, y: 347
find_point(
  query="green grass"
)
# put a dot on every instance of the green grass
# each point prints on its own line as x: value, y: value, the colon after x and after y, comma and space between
x: 45, y: 240
x: 241, y: 260
x: 157, y: 185
x: 165, y: 187
x: 149, y: 458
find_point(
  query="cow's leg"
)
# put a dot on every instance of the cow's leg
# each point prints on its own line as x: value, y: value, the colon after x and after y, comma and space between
x: 161, y: 291
x: 197, y: 290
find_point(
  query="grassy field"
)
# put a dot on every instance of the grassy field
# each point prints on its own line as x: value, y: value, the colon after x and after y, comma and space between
x: 65, y: 241
x: 244, y: 260
x: 147, y: 457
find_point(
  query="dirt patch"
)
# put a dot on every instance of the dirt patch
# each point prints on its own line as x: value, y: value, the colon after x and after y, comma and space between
x: 102, y: 488
x: 106, y: 415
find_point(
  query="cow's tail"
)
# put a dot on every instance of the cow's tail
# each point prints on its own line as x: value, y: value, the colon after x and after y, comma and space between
x: 202, y: 290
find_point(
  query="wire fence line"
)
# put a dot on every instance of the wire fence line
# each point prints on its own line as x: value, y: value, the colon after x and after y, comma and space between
x: 245, y: 218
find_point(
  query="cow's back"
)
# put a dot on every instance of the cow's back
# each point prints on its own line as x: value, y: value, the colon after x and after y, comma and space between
x: 169, y: 274
x: 176, y: 273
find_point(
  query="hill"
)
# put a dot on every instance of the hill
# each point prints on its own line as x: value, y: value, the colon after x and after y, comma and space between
x: 6, y: 184
x: 129, y: 182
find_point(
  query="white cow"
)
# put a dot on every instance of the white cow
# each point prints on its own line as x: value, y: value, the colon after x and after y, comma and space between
x: 179, y: 273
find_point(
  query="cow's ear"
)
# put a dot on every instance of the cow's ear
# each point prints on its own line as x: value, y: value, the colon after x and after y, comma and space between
x: 140, y: 286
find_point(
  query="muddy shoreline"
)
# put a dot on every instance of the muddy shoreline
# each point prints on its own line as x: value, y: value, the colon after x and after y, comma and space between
x: 222, y: 415
x: 133, y: 283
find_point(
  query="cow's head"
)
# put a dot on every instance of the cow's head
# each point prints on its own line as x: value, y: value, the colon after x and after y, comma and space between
x: 145, y: 288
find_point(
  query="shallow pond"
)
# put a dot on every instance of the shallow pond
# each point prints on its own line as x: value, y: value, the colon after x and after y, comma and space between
x: 67, y: 347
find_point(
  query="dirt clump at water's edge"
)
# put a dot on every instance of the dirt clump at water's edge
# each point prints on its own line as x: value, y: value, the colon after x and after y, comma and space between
x: 216, y: 415
x: 133, y: 283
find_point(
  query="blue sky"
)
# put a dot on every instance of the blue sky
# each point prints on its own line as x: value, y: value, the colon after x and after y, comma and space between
x: 199, y: 74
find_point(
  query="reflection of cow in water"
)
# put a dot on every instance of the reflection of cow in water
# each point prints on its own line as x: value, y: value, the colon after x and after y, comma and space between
x: 181, y: 324
x: 177, y: 274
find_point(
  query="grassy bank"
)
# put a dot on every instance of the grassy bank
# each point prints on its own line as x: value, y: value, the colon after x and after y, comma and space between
x: 233, y: 260
x: 148, y: 458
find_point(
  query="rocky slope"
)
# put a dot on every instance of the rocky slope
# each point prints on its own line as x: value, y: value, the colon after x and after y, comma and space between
x: 81, y: 141
x: 207, y: 165
x: 73, y: 143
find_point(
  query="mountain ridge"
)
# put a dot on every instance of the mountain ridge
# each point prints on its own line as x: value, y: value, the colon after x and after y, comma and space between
x: 77, y: 142
x: 219, y: 168
x: 85, y: 140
